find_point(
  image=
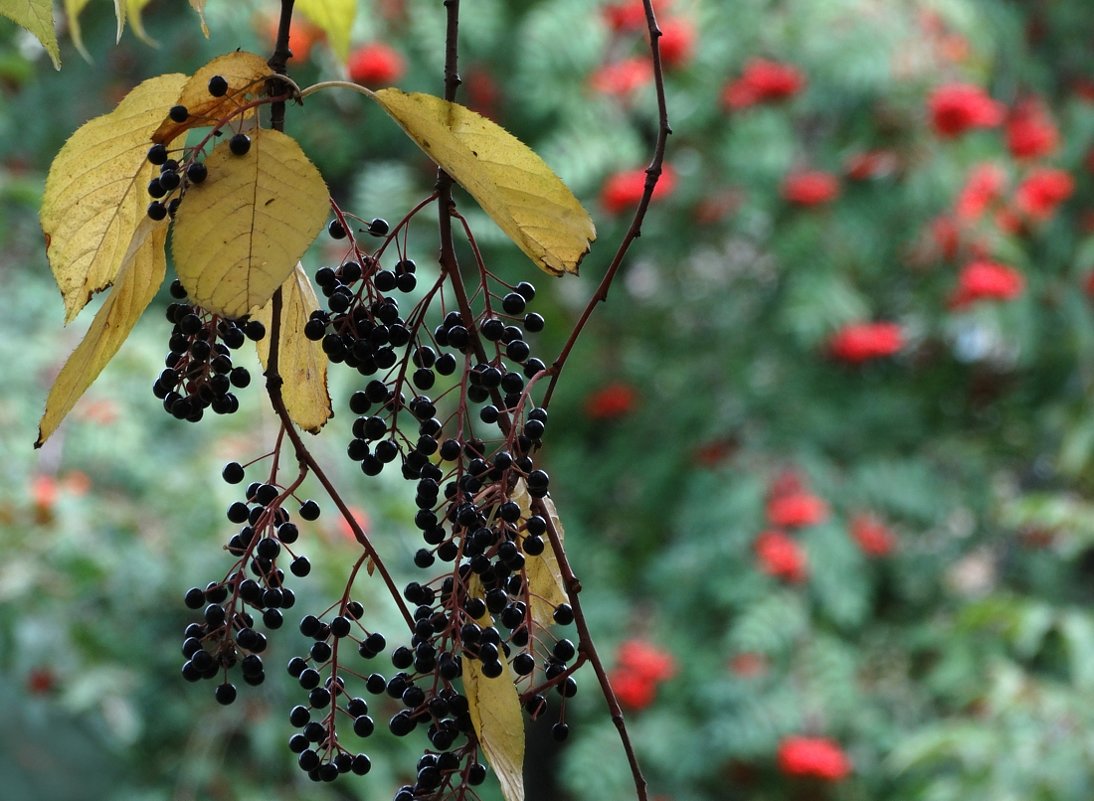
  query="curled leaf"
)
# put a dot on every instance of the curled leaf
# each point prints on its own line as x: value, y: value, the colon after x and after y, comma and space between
x: 245, y: 74
x: 134, y: 10
x: 301, y: 363
x: 73, y: 9
x: 142, y: 270
x: 199, y: 6
x: 512, y: 184
x: 95, y: 195
x: 239, y: 234
x: 37, y: 17
x: 494, y: 707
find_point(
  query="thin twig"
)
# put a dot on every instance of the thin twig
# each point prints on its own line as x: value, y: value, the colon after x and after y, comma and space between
x: 653, y: 174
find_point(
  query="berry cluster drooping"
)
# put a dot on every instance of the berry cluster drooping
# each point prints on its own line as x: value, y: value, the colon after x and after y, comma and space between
x: 226, y: 637
x: 447, y: 397
x: 199, y: 373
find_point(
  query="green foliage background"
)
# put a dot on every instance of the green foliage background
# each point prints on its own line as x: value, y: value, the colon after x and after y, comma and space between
x: 957, y: 667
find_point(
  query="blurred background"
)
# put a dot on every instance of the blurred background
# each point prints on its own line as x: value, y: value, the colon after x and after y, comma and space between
x: 824, y: 458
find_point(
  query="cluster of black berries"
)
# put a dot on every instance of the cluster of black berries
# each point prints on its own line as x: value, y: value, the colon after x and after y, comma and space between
x: 437, y: 705
x: 167, y: 189
x: 320, y: 752
x: 363, y: 328
x: 227, y: 637
x: 199, y: 373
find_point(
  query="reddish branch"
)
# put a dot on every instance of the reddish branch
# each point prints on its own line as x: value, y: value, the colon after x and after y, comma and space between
x: 653, y: 174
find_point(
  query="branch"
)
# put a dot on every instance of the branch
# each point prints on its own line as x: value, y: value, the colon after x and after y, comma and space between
x: 587, y: 649
x: 274, y: 380
x: 653, y: 174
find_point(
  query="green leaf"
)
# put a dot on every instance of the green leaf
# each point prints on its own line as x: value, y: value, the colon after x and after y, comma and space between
x: 239, y: 234
x: 37, y: 17
x: 511, y: 183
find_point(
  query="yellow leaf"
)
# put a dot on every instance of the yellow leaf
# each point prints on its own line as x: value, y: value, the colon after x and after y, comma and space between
x: 494, y: 706
x: 239, y: 234
x: 199, y: 6
x: 37, y: 17
x: 301, y: 362
x: 134, y: 9
x: 511, y: 183
x: 544, y: 577
x: 73, y: 9
x: 95, y: 195
x: 139, y: 278
x: 246, y: 75
x: 335, y: 17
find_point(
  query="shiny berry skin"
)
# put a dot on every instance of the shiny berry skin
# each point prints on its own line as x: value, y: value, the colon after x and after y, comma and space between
x: 513, y: 303
x: 564, y: 615
x: 218, y: 87
x: 225, y: 693
x: 157, y: 211
x: 239, y: 144
x: 157, y: 154
x: 232, y: 473
x: 336, y: 230
x: 378, y: 227
x: 197, y: 173
x: 178, y: 113
x: 309, y: 510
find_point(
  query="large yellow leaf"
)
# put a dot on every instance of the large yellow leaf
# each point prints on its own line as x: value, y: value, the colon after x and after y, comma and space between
x: 511, y: 183
x: 335, y: 17
x: 95, y: 195
x: 301, y: 362
x: 542, y: 572
x: 140, y: 276
x: 246, y: 76
x: 37, y: 17
x: 239, y: 234
x: 494, y: 706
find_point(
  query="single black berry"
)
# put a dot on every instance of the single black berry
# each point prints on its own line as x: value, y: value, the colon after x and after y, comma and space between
x: 218, y: 87
x: 336, y: 230
x: 239, y: 144
x: 157, y: 154
x: 226, y: 693
x: 157, y: 211
x: 197, y: 172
